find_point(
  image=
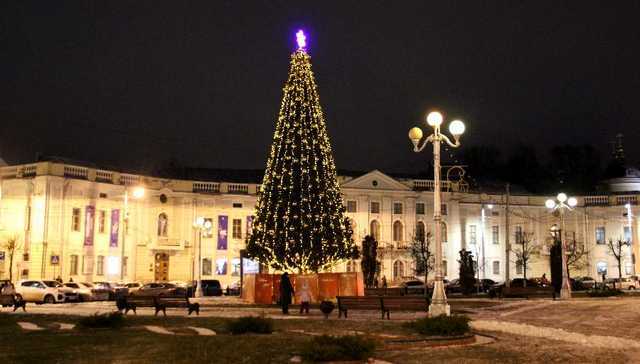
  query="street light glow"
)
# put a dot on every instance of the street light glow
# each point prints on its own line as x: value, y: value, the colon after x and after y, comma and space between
x: 456, y: 127
x: 199, y: 221
x: 434, y: 118
x: 572, y: 202
x: 562, y: 197
x: 138, y: 192
x: 490, y: 206
x: 415, y: 134
x: 550, y: 204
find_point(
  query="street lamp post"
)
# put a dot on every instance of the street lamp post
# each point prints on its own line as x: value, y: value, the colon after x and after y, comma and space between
x: 201, y: 224
x: 439, y: 305
x: 137, y: 193
x: 563, y: 203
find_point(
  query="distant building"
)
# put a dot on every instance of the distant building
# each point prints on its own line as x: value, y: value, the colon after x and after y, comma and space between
x: 70, y: 221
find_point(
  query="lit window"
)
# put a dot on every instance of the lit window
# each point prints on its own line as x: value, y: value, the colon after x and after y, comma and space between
x: 627, y: 235
x: 472, y: 234
x: 235, y: 266
x: 602, y: 267
x: 236, y: 232
x: 375, y: 207
x: 496, y: 267
x: 100, y: 265
x: 397, y: 208
x: 495, y: 233
x: 398, y: 269
x: 221, y: 266
x: 206, y: 267
x: 600, y: 235
x: 208, y: 233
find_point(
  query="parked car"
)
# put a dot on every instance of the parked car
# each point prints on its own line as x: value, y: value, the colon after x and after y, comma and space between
x: 189, y: 287
x: 583, y: 283
x: 159, y: 289
x: 39, y: 291
x: 496, y: 289
x: 233, y: 289
x: 413, y: 287
x: 87, y: 292
x: 430, y: 283
x: 107, y: 286
x: 624, y: 283
x: 211, y: 287
x: 484, y: 285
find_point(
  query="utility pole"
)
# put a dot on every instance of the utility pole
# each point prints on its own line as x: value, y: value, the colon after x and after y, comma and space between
x: 507, y: 246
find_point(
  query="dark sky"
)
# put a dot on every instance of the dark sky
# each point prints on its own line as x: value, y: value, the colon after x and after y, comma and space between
x: 135, y: 83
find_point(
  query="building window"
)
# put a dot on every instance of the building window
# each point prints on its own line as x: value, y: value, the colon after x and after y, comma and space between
x: 73, y: 269
x: 375, y: 230
x: 352, y: 206
x: 102, y: 215
x: 397, y: 231
x: 235, y: 267
x: 100, y: 265
x: 443, y: 229
x: 519, y: 235
x: 420, y: 236
x: 443, y: 209
x: 600, y: 236
x: 221, y: 266
x: 375, y: 207
x: 519, y: 266
x: 496, y: 267
x: 163, y: 222
x: 495, y: 234
x: 237, y: 205
x: 602, y: 267
x: 352, y: 266
x: 125, y: 261
x: 206, y: 266
x: 87, y: 264
x: 397, y: 208
x: 419, y: 208
x: 208, y: 233
x: 627, y: 235
x: 472, y: 234
x: 75, y: 219
x: 444, y: 268
x: 236, y: 231
x: 398, y: 269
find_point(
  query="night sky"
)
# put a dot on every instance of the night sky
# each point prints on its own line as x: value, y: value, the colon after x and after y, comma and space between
x: 134, y: 84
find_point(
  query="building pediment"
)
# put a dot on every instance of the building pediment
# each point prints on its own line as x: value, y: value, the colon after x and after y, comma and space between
x: 375, y: 180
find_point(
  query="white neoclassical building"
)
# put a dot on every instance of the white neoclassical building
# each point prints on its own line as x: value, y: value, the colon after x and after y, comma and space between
x: 69, y: 222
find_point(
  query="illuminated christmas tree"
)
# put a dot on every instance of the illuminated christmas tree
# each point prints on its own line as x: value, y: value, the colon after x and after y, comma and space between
x: 300, y: 223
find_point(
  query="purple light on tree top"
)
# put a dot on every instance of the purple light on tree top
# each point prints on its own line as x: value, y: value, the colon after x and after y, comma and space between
x: 301, y: 39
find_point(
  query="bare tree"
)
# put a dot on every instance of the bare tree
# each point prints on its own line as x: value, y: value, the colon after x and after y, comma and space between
x: 615, y: 248
x: 11, y: 246
x: 423, y: 256
x: 525, y: 250
x: 577, y: 254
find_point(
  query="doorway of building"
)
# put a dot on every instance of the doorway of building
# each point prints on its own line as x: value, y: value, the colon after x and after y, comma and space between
x: 162, y: 267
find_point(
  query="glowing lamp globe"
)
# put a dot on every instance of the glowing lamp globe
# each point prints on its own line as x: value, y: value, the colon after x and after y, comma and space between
x: 562, y: 197
x: 550, y: 204
x: 572, y: 202
x: 490, y: 206
x: 200, y: 221
x: 207, y: 224
x: 434, y: 118
x: 456, y: 127
x: 138, y: 192
x: 415, y: 134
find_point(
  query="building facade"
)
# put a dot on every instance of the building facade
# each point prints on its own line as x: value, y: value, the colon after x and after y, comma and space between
x: 86, y: 224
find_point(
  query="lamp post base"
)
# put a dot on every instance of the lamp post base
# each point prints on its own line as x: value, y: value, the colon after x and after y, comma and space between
x: 438, y: 309
x: 439, y: 305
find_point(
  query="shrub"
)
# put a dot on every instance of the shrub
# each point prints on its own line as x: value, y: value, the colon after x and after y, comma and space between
x: 327, y: 348
x: 604, y: 292
x: 255, y: 324
x: 113, y: 320
x: 442, y: 325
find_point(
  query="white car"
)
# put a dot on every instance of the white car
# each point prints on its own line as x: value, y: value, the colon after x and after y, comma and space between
x: 86, y: 292
x: 625, y: 283
x: 40, y: 291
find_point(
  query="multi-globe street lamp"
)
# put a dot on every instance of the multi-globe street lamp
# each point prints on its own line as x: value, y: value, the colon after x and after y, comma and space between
x: 439, y: 305
x: 562, y: 204
x: 201, y: 225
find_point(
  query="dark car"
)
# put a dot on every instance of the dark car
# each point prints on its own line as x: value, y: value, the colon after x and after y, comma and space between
x: 496, y: 289
x: 160, y: 289
x: 211, y: 287
x: 413, y: 287
x: 484, y: 285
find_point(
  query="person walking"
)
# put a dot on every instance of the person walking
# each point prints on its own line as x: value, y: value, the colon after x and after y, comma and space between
x: 384, y: 282
x: 305, y: 297
x: 286, y: 290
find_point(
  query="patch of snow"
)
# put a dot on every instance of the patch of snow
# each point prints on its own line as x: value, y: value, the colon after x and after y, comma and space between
x: 159, y: 330
x: 64, y: 326
x: 203, y: 331
x: 29, y: 326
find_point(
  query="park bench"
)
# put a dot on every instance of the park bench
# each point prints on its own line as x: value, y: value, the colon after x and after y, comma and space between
x: 10, y: 300
x: 162, y: 303
x: 131, y: 303
x: 384, y: 304
x: 527, y: 292
x: 393, y: 291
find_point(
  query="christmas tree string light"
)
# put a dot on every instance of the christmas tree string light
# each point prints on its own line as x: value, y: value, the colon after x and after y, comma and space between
x: 300, y: 222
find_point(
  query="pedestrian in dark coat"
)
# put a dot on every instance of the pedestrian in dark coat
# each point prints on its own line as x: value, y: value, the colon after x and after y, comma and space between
x: 286, y: 291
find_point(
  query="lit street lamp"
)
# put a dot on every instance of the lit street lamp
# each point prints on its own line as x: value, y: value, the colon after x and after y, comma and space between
x: 439, y: 305
x: 563, y: 203
x: 201, y: 224
x: 136, y: 193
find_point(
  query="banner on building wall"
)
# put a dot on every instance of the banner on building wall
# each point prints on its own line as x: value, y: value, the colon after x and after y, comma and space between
x: 115, y: 228
x: 249, y: 226
x: 222, y: 232
x: 89, y: 217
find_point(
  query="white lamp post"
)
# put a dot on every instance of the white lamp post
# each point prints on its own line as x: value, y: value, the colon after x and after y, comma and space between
x: 137, y: 193
x: 201, y: 224
x: 563, y: 203
x: 439, y: 305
